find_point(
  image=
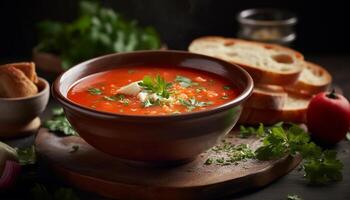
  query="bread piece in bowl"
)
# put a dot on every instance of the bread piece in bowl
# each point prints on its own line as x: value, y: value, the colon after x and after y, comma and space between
x: 14, y: 83
x: 266, y: 63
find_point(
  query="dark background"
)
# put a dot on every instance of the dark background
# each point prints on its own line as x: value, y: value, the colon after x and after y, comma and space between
x: 322, y: 28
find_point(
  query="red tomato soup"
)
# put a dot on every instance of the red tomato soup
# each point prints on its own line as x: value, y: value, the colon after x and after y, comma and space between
x: 144, y: 90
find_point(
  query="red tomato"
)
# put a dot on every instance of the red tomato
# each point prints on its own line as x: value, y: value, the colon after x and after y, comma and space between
x: 328, y: 117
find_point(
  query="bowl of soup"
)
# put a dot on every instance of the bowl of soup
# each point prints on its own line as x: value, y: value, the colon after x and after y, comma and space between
x: 153, y: 106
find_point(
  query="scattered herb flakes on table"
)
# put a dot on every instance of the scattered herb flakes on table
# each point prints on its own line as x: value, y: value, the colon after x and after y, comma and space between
x: 59, y: 123
x: 320, y: 167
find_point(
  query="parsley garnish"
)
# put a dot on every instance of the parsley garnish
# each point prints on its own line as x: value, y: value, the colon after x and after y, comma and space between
x: 156, y: 85
x: 94, y: 91
x: 59, y: 123
x: 192, y: 103
x: 184, y: 81
x: 75, y: 148
x: 319, y: 166
x: 118, y: 97
x: 226, y: 87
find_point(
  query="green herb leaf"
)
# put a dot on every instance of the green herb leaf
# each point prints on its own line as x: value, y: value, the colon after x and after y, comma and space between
x: 192, y: 103
x: 96, y: 31
x: 156, y: 85
x: 184, y: 81
x: 26, y: 156
x: 320, y: 167
x: 59, y: 123
x: 226, y: 87
x: 94, y: 91
x: 75, y: 148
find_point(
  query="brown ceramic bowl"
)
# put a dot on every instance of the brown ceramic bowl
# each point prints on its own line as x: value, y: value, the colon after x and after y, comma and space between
x: 154, y: 138
x: 17, y: 113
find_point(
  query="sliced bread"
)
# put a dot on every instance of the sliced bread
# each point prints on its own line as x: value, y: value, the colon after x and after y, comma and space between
x: 266, y: 63
x: 294, y: 111
x: 267, y: 97
x: 313, y: 79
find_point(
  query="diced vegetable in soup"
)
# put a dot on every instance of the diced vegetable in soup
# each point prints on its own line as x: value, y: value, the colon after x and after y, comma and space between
x: 152, y: 91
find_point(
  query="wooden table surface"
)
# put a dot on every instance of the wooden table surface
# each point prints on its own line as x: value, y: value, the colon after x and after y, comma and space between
x: 293, y: 183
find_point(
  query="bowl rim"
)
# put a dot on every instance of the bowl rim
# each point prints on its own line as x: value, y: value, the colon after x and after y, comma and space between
x: 41, y: 93
x: 86, y: 110
x: 242, y: 17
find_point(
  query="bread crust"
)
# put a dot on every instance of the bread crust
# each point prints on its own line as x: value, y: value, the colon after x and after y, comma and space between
x: 267, y: 97
x: 259, y: 75
x: 254, y: 116
x: 14, y: 83
x: 307, y: 88
x: 28, y: 68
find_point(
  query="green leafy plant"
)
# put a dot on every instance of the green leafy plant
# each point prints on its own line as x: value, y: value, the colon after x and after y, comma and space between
x: 96, y: 31
x: 59, y: 123
x: 27, y: 155
x: 319, y: 166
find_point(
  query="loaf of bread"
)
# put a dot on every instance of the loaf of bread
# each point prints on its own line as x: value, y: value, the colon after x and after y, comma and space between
x: 266, y: 63
x: 17, y: 83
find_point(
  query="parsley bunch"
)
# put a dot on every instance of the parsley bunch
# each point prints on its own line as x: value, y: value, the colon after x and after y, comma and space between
x: 157, y: 85
x: 319, y: 166
x: 96, y: 31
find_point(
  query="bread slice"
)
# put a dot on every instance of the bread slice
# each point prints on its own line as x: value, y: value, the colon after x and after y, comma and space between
x: 14, y: 83
x: 294, y: 111
x: 267, y: 97
x: 313, y: 79
x: 266, y: 63
x: 28, y: 68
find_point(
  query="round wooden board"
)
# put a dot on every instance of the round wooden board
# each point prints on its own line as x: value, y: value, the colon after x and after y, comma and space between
x: 97, y: 172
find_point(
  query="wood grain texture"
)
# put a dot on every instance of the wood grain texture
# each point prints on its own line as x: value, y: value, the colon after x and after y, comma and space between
x: 94, y: 171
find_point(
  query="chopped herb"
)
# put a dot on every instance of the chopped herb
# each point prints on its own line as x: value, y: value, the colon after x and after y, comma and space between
x: 293, y: 197
x: 27, y: 155
x: 185, y: 82
x: 193, y: 103
x: 319, y: 166
x: 118, y: 97
x: 59, y: 123
x: 226, y: 87
x: 231, y: 154
x: 94, y: 91
x: 75, y: 148
x: 224, y: 97
x: 156, y: 85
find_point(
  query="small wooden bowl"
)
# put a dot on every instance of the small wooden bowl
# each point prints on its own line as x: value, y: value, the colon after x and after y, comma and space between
x: 21, y: 113
x: 166, y: 138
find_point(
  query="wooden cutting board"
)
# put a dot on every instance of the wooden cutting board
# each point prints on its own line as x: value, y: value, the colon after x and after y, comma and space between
x: 97, y: 172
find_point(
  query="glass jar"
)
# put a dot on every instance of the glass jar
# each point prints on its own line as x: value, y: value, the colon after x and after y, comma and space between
x: 267, y: 25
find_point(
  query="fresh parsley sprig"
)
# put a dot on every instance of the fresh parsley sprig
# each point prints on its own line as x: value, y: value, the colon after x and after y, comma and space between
x: 157, y: 85
x: 319, y: 166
